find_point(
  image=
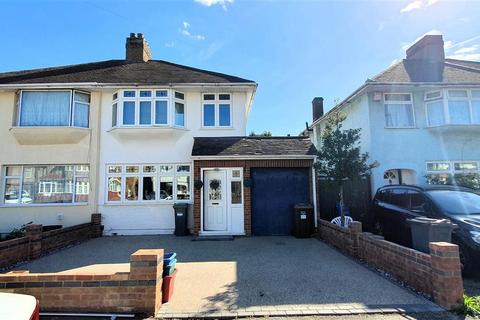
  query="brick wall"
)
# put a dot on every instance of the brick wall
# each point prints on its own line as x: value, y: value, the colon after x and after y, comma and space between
x: 36, y: 243
x: 437, y: 274
x: 247, y: 165
x: 136, y: 291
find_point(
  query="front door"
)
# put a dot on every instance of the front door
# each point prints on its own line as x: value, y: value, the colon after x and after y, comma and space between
x: 215, y: 206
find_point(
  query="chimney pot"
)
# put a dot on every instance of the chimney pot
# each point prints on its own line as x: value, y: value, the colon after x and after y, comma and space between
x: 137, y: 48
x: 317, y: 108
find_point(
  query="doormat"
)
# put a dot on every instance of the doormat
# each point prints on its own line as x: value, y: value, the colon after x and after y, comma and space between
x: 213, y: 238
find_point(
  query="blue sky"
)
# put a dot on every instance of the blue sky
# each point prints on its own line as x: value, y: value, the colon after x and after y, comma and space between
x: 294, y: 50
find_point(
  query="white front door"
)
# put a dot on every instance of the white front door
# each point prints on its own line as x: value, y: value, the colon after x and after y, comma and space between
x: 215, y: 205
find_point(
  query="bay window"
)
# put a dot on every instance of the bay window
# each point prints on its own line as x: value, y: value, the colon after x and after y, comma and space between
x: 53, y: 108
x: 46, y: 184
x: 216, y: 110
x: 146, y: 108
x: 462, y: 173
x: 452, y: 106
x: 398, y: 110
x: 148, y: 183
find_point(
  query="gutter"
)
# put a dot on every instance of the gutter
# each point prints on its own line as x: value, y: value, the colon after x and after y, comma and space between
x: 122, y: 85
x: 253, y: 157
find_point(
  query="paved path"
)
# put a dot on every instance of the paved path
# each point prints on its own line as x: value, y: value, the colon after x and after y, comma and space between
x: 251, y: 276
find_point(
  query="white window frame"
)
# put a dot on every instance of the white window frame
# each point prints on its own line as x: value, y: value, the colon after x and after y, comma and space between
x: 451, y: 169
x: 20, y: 204
x: 174, y: 112
x: 216, y: 105
x: 385, y: 102
x: 445, y: 97
x: 71, y: 110
x: 141, y: 174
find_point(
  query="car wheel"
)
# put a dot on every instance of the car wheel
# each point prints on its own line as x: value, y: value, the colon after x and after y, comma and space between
x: 466, y: 261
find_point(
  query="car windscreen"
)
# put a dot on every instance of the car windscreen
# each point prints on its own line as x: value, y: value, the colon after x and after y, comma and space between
x: 457, y: 202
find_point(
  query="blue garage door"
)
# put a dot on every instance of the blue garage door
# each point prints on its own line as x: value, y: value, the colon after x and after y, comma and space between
x: 274, y: 193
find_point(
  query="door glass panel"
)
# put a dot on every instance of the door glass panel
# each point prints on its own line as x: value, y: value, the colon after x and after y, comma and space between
x: 215, y: 190
x: 131, y: 188
x: 236, y: 192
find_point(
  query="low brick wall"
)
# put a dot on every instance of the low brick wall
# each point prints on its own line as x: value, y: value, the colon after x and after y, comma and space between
x: 437, y: 274
x: 36, y: 243
x: 136, y: 291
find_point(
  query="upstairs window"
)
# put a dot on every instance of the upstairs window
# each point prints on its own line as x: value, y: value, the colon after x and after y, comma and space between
x: 54, y: 108
x: 216, y: 110
x: 179, y: 109
x: 399, y: 110
x: 453, y: 107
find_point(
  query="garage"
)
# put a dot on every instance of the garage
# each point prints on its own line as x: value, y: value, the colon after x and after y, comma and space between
x: 275, y: 191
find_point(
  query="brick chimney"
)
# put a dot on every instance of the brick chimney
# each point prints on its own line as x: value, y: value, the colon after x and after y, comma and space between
x: 429, y: 49
x: 137, y: 48
x: 317, y: 107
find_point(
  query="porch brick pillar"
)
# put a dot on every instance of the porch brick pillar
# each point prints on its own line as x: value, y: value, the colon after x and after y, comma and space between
x: 355, y: 228
x: 96, y: 221
x: 447, y: 280
x: 147, y: 265
x: 34, y: 234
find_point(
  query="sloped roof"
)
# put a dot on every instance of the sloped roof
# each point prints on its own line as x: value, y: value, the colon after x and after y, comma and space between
x: 253, y: 146
x: 153, y: 72
x: 451, y: 71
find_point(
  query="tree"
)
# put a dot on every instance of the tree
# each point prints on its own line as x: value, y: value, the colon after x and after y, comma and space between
x: 263, y: 134
x: 340, y: 157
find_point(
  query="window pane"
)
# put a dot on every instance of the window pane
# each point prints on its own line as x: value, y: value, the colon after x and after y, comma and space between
x: 128, y: 112
x: 179, y: 114
x: 166, y: 169
x: 465, y: 166
x: 209, y: 115
x: 223, y: 97
x: 114, y: 115
x: 161, y: 112
x: 145, y: 112
x: 82, y: 170
x: 457, y: 94
x: 82, y: 97
x: 131, y: 188
x: 398, y: 115
x: 439, y: 178
x: 49, y: 184
x: 161, y: 93
x: 476, y: 111
x: 82, y: 189
x: 400, y: 198
x: 149, y: 188
x: 397, y: 97
x: 433, y: 95
x: 80, y: 118
x: 13, y: 171
x: 148, y: 169
x: 179, y: 95
x: 435, y: 113
x: 12, y: 192
x: 459, y: 112
x: 115, y: 96
x: 114, y: 188
x: 208, y: 97
x: 114, y: 169
x: 215, y: 190
x: 224, y: 115
x: 144, y: 94
x: 476, y: 94
x: 438, y: 166
x: 236, y: 192
x: 166, y: 188
x: 131, y: 169
x: 183, y: 188
x: 45, y: 108
x: 236, y: 173
x: 183, y: 168
x: 129, y: 94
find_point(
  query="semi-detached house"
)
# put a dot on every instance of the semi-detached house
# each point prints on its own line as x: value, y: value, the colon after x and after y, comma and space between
x: 130, y: 138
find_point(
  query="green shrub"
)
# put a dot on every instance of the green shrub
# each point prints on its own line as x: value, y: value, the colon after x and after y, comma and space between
x: 471, y: 305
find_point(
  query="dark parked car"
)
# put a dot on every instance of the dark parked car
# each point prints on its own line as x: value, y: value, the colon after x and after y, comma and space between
x: 394, y: 204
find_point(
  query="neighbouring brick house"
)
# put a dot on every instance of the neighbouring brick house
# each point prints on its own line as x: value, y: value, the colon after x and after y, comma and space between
x: 116, y: 137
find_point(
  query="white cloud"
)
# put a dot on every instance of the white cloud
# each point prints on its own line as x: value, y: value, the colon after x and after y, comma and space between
x: 418, y: 4
x: 210, y: 3
x: 465, y: 50
x: 466, y: 56
x: 186, y: 32
x: 170, y: 44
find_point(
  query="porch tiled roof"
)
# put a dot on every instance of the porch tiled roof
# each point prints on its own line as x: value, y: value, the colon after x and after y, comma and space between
x: 253, y: 146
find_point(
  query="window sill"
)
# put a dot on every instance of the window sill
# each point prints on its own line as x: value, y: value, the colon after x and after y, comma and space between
x: 401, y: 127
x: 217, y: 128
x: 444, y: 128
x: 3, y: 205
x: 49, y: 135
x: 145, y: 203
x: 146, y: 131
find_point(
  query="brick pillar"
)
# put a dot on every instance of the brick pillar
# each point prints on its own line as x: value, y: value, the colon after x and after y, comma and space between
x: 34, y: 234
x: 447, y: 280
x: 355, y: 228
x: 247, y: 202
x: 147, y: 265
x: 96, y: 221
